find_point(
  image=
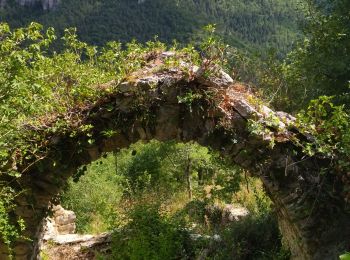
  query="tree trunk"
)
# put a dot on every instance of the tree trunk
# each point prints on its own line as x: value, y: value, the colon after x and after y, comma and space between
x: 188, y: 178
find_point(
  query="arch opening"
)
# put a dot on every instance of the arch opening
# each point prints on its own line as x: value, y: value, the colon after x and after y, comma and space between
x: 147, y: 183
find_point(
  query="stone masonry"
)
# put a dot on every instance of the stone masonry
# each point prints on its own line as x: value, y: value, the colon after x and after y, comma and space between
x: 313, y: 218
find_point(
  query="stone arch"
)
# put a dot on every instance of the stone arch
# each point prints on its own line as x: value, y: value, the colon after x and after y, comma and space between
x: 176, y: 105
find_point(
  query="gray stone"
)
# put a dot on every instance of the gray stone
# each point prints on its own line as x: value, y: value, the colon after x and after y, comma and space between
x: 45, y: 4
x: 62, y: 222
x: 233, y: 213
x: 217, y: 78
x: 66, y: 229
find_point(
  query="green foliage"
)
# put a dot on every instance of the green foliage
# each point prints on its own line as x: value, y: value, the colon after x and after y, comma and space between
x: 252, y: 196
x: 252, y: 238
x: 249, y: 24
x: 318, y: 65
x: 144, y: 167
x: 213, y: 48
x: 9, y: 231
x: 329, y: 125
x: 188, y: 98
x: 95, y: 196
x: 135, y: 173
x: 141, y: 195
x: 37, y: 87
x: 345, y: 256
x: 150, y: 235
x: 163, y: 165
x: 255, y: 237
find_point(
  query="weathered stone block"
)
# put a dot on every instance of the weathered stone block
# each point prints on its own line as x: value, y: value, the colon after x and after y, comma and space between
x: 67, y: 218
x: 66, y: 229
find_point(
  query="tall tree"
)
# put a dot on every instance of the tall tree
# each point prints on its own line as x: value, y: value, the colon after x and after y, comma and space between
x: 320, y: 65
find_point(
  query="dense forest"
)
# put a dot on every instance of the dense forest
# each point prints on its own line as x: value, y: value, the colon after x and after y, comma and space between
x: 245, y: 24
x: 170, y: 200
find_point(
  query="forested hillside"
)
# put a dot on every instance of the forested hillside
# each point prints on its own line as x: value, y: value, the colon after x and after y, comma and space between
x: 244, y: 24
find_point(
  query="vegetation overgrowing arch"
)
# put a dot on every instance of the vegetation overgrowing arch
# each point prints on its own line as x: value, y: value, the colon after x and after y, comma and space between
x: 169, y: 98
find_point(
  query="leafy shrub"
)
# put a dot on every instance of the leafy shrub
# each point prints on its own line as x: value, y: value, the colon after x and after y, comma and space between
x: 9, y: 231
x: 328, y: 124
x: 194, y: 211
x: 252, y: 238
x: 95, y: 196
x: 149, y: 235
x: 251, y: 195
x: 345, y: 256
x: 256, y: 236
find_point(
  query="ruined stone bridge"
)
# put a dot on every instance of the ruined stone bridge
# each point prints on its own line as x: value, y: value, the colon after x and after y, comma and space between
x: 215, y: 111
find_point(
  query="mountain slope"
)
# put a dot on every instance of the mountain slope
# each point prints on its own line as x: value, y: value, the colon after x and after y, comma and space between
x: 245, y: 24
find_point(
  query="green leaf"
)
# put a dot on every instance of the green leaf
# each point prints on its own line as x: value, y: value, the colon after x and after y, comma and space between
x: 345, y: 256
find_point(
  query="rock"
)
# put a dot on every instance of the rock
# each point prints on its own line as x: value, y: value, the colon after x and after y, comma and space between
x: 233, y: 213
x: 285, y: 117
x: 50, y: 4
x: 64, y: 217
x: 59, y: 240
x: 196, y: 237
x: 226, y: 214
x: 167, y: 54
x: 74, y: 246
x: 45, y: 4
x: 66, y: 229
x: 62, y: 222
x: 125, y: 87
x: 244, y: 109
x: 217, y: 78
x: 71, y: 239
x: 50, y: 230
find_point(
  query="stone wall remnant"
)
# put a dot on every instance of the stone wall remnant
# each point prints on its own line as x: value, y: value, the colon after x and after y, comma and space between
x: 147, y: 106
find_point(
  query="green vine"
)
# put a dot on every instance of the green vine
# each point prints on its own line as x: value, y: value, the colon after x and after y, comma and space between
x: 326, y: 127
x: 9, y: 231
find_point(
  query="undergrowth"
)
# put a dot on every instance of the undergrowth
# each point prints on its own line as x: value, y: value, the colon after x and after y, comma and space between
x: 143, y: 199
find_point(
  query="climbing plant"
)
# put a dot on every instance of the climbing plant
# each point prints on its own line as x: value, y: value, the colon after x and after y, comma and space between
x: 9, y: 231
x: 325, y: 127
x: 328, y: 124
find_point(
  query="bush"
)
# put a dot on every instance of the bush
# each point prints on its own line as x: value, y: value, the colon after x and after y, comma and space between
x: 95, y: 197
x: 256, y: 237
x: 149, y: 235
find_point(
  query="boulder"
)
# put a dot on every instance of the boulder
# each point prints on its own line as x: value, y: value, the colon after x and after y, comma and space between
x: 217, y: 78
x: 62, y: 222
x: 231, y: 213
x: 224, y: 214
